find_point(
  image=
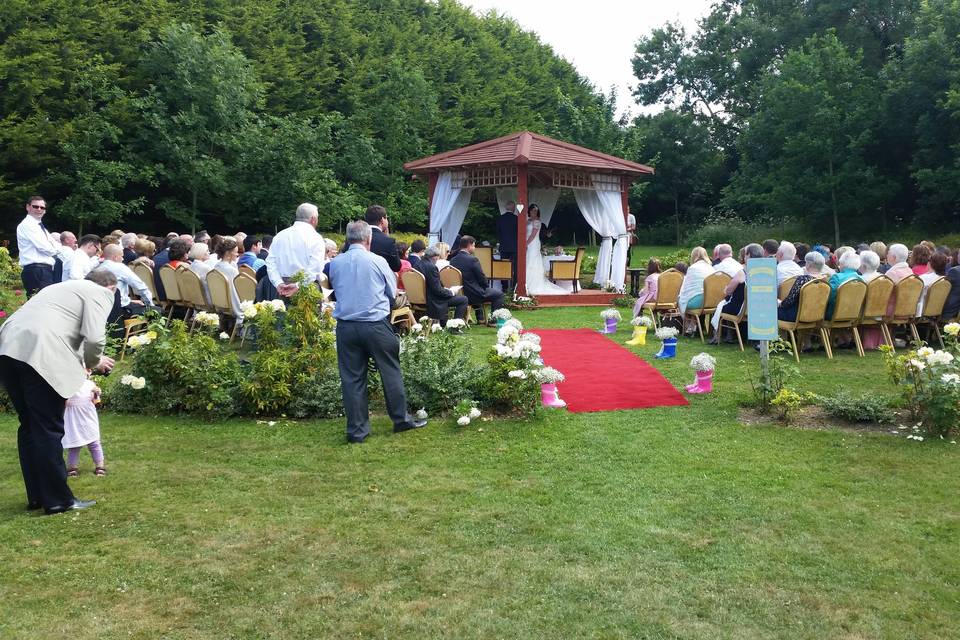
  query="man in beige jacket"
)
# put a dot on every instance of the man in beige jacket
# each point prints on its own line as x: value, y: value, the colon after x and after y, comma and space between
x: 45, y: 347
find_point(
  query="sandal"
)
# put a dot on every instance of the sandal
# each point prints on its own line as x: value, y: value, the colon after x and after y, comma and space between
x: 100, y: 471
x: 73, y: 472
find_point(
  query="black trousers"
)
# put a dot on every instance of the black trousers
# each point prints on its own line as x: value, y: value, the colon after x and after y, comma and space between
x: 357, y: 342
x: 36, y: 276
x: 459, y: 303
x: 512, y: 257
x: 39, y: 438
x: 491, y: 295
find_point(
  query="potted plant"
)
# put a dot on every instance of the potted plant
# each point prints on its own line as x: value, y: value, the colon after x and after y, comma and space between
x: 669, y: 347
x: 703, y: 364
x: 640, y: 326
x: 611, y: 317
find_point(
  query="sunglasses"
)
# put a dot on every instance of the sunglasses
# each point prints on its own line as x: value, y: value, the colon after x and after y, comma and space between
x: 37, y: 206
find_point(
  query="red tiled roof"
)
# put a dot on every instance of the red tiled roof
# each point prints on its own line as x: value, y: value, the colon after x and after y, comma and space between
x: 527, y: 148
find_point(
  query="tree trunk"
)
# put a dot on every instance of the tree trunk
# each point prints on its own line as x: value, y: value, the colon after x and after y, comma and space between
x: 833, y: 205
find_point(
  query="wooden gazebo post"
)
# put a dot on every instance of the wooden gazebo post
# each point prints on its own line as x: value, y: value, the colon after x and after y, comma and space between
x: 522, y: 196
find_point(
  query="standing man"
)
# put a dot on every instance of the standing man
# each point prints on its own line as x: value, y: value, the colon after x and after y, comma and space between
x: 507, y: 237
x: 382, y: 244
x: 475, y: 284
x: 439, y: 298
x: 85, y: 259
x: 37, y: 250
x: 365, y: 288
x: 297, y: 248
x: 632, y: 232
x: 45, y: 347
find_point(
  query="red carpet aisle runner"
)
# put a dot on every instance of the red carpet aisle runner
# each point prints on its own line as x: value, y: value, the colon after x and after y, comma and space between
x: 601, y: 375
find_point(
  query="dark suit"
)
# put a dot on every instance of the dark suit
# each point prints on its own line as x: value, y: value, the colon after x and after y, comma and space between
x: 263, y: 254
x: 386, y: 247
x: 159, y: 260
x: 952, y: 306
x: 413, y: 260
x: 507, y: 237
x: 475, y: 284
x: 439, y: 298
x: 129, y: 255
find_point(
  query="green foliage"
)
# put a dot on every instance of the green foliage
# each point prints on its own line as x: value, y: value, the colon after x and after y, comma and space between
x: 623, y: 302
x: 12, y: 295
x: 787, y: 402
x: 857, y: 408
x: 667, y: 260
x: 437, y: 370
x: 929, y: 383
x: 725, y: 227
x: 781, y: 371
x: 508, y: 394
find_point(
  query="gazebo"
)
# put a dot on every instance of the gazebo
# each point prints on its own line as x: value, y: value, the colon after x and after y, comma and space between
x: 527, y: 167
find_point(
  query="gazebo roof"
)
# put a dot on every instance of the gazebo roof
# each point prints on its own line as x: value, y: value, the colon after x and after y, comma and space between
x: 525, y: 147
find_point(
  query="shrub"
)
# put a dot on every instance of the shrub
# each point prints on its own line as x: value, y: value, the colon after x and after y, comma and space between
x: 12, y: 296
x: 929, y: 381
x: 781, y: 370
x: 863, y: 408
x: 437, y: 370
x: 725, y: 227
x: 788, y: 401
x: 320, y: 396
x: 623, y: 302
x: 667, y: 260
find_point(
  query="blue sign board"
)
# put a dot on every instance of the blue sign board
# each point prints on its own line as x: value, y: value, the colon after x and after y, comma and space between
x: 762, y: 299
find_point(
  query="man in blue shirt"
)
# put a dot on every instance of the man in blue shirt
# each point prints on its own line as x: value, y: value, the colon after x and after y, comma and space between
x: 251, y: 255
x: 365, y: 287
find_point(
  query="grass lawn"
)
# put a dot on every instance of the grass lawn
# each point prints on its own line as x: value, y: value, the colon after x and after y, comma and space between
x: 664, y: 523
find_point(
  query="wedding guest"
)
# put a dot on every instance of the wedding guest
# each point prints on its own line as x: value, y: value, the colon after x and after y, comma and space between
x: 128, y: 243
x: 475, y: 285
x: 802, y: 250
x: 847, y: 265
x: 938, y: 269
x: 229, y: 253
x: 251, y: 255
x: 68, y: 244
x: 366, y: 287
x: 417, y: 247
x: 443, y: 252
x: 735, y: 291
x: 145, y: 250
x: 691, y: 292
x: 37, y: 250
x: 177, y: 252
x: 199, y: 256
x: 786, y: 267
x: 81, y: 428
x: 439, y: 298
x: 770, y: 248
x: 382, y: 244
x: 126, y: 280
x: 787, y: 310
x: 951, y: 307
x: 265, y: 242
x: 920, y: 259
x: 649, y: 291
x: 899, y: 269
x: 726, y: 263
x: 880, y: 249
x: 869, y: 263
x: 404, y: 263
x: 681, y: 267
x: 298, y: 248
x: 86, y: 258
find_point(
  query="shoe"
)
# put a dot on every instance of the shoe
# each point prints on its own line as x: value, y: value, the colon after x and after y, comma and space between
x: 76, y: 505
x: 73, y: 472
x: 33, y: 506
x: 413, y: 424
x: 353, y: 440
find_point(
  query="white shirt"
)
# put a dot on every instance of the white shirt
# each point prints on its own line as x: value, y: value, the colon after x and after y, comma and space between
x: 202, y: 269
x: 870, y: 276
x: 297, y: 248
x: 928, y: 279
x: 788, y: 269
x: 631, y: 221
x: 729, y: 266
x: 34, y: 243
x: 126, y: 278
x: 81, y: 264
x: 66, y: 257
x: 693, y: 282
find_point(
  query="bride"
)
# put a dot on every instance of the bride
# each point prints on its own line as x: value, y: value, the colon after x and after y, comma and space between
x: 537, y: 283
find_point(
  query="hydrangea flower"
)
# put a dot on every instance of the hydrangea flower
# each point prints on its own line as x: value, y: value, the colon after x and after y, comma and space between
x: 518, y: 373
x: 224, y: 335
x: 952, y: 329
x: 474, y: 413
x: 939, y: 358
x: 642, y: 321
x: 463, y: 421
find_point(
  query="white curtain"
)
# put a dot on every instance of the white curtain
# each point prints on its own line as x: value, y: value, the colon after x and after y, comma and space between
x: 603, y: 211
x: 448, y: 210
x: 546, y: 199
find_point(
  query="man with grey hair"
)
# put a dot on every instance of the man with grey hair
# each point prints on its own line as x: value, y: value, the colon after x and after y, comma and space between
x: 365, y: 287
x: 439, y: 298
x: 45, y: 347
x: 127, y: 241
x: 297, y: 248
x: 786, y: 265
x: 726, y: 262
x: 735, y: 290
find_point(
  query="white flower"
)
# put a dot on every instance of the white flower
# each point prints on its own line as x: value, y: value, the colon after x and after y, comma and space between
x: 951, y: 378
x: 138, y: 383
x: 278, y: 305
x: 463, y: 421
x: 503, y: 351
x: 507, y: 333
x: 518, y: 373
x: 424, y: 320
x: 501, y: 314
x: 127, y: 379
x: 548, y: 375
x: 224, y: 335
x: 530, y: 337
x: 642, y: 321
x: 474, y: 412
x: 611, y: 314
x: 924, y: 352
x: 249, y: 309
x: 513, y: 322
x: 417, y: 328
x: 952, y: 329
x: 918, y: 365
x: 421, y: 414
x: 139, y: 340
x: 456, y: 323
x: 703, y: 362
x: 939, y: 358
x: 209, y: 319
x: 665, y: 333
x: 434, y: 328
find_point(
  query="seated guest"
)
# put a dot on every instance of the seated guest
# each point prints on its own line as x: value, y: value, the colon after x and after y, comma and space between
x: 127, y: 279
x: 199, y: 256
x: 649, y: 291
x: 938, y: 269
x: 734, y: 293
x: 786, y: 267
x: 787, y: 310
x: 920, y: 259
x: 952, y: 306
x: 691, y: 291
x: 177, y: 253
x: 869, y: 263
x: 475, y: 284
x: 229, y: 254
x: 802, y: 250
x: 128, y: 242
x: 214, y: 247
x: 898, y: 269
x: 251, y: 254
x: 863, y: 246
x: 848, y: 263
x: 443, y: 251
x: 880, y: 249
x: 439, y: 298
x: 202, y: 236
x: 68, y: 244
x: 404, y: 263
x: 681, y: 267
x: 331, y: 252
x: 824, y: 250
x: 416, y: 252
x: 86, y: 258
x: 770, y: 248
x: 265, y: 243
x: 726, y: 263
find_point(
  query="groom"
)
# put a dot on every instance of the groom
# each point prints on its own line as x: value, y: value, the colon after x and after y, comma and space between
x: 507, y: 237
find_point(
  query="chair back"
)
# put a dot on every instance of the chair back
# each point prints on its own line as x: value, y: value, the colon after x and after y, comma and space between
x: 784, y: 290
x: 936, y: 297
x: 668, y: 286
x: 145, y: 273
x: 813, y: 302
x: 578, y: 261
x: 908, y: 292
x: 713, y: 286
x: 416, y: 287
x: 219, y: 289
x: 168, y: 276
x: 451, y: 277
x: 878, y: 297
x: 485, y: 256
x: 248, y: 270
x: 849, y: 301
x: 191, y: 288
x: 246, y: 287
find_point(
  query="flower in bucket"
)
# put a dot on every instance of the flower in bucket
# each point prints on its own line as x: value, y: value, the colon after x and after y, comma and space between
x: 642, y: 321
x: 548, y: 375
x: 466, y: 410
x: 513, y: 322
x: 665, y: 333
x: 611, y: 314
x: 508, y: 334
x: 501, y: 314
x: 703, y: 362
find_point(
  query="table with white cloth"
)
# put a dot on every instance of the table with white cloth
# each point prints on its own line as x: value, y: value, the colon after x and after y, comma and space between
x: 566, y: 284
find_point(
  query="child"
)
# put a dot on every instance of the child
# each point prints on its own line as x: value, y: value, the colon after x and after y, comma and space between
x: 81, y: 427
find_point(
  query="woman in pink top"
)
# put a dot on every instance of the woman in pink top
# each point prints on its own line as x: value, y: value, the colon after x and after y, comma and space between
x: 649, y: 291
x: 402, y: 249
x: 920, y: 259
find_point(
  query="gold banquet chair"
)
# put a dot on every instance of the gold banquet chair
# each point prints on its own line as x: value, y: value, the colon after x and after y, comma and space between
x: 875, y: 305
x: 810, y: 314
x: 563, y: 270
x: 168, y: 276
x: 145, y: 273
x: 907, y: 292
x: 246, y: 287
x: 784, y: 289
x: 713, y: 286
x: 733, y: 321
x: 668, y: 292
x: 416, y: 287
x: 191, y: 290
x: 933, y: 303
x: 485, y: 256
x: 847, y: 309
x: 219, y: 288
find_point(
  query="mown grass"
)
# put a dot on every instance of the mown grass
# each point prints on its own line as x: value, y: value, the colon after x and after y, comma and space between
x: 664, y: 523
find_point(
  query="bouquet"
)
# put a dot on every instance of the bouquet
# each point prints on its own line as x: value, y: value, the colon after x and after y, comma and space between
x: 703, y: 362
x: 501, y: 314
x: 665, y: 333
x: 456, y: 324
x: 642, y: 321
x: 548, y: 375
x: 611, y: 314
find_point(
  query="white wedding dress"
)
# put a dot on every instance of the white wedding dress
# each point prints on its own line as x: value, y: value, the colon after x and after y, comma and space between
x: 537, y: 283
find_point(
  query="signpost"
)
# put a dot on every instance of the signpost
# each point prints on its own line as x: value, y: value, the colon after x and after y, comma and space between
x: 762, y: 308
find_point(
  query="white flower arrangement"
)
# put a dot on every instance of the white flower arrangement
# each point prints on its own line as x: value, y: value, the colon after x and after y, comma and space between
x: 424, y: 320
x: 611, y: 314
x: 939, y: 358
x: 474, y: 413
x: 548, y: 375
x: 249, y: 309
x: 513, y: 322
x: 224, y: 335
x: 703, y: 362
x: 530, y: 337
x: 503, y: 350
x: 416, y: 328
x: 952, y: 329
x: 642, y: 321
x: 208, y: 319
x: 520, y: 374
x: 665, y: 333
x: 434, y: 328
x: 508, y: 334
x: 455, y: 323
x: 133, y: 381
x: 501, y: 314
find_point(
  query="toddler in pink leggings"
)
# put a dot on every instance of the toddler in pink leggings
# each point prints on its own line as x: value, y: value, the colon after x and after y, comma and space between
x: 81, y: 428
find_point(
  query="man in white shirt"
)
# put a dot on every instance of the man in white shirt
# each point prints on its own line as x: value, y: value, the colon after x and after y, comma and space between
x: 727, y: 263
x: 632, y: 232
x: 297, y: 248
x: 126, y: 278
x: 787, y: 266
x: 85, y: 257
x: 37, y: 250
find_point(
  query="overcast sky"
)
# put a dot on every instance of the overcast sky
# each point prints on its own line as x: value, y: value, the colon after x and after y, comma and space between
x: 597, y: 36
